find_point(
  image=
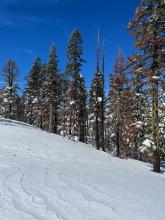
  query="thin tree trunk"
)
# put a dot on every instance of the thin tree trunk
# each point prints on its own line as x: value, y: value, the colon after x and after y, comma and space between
x: 97, y: 131
x: 102, y: 127
x: 50, y: 118
x: 156, y: 154
x: 117, y: 141
x: 155, y: 102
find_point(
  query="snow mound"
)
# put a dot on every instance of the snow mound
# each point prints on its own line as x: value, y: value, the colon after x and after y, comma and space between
x: 47, y: 177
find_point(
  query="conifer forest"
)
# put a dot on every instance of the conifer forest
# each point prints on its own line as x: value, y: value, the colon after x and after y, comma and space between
x: 128, y: 120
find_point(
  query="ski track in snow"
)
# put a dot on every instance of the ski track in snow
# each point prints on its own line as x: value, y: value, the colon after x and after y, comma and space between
x: 47, y: 177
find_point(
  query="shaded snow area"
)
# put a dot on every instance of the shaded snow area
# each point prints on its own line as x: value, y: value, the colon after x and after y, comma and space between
x: 47, y: 177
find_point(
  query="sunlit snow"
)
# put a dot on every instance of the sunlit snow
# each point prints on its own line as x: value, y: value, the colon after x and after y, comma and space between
x: 47, y: 177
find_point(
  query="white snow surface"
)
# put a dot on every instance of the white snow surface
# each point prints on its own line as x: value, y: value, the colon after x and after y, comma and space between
x: 47, y: 177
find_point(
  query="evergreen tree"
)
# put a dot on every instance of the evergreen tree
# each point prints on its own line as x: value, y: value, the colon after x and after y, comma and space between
x: 108, y: 128
x: 74, y: 54
x: 52, y: 87
x: 43, y: 97
x: 9, y: 93
x: 82, y: 110
x: 136, y: 70
x: 148, y: 30
x: 33, y: 101
x: 74, y: 112
x: 97, y: 106
x: 122, y: 128
x: 20, y: 108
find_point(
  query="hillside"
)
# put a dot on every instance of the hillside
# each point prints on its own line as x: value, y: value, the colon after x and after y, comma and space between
x: 46, y: 177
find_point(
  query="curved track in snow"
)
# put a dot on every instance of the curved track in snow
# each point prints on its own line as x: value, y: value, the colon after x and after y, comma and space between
x: 47, y: 177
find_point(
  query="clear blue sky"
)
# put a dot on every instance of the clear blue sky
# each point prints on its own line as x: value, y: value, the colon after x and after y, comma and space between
x: 28, y: 27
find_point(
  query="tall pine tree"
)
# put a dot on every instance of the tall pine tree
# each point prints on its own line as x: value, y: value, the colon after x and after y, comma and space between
x: 33, y: 99
x: 149, y: 32
x: 52, y: 90
x: 120, y: 112
x: 97, y: 105
x: 74, y: 112
x: 140, y: 105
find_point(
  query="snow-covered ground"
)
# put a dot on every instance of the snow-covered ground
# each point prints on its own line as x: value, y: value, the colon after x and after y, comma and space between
x: 47, y: 177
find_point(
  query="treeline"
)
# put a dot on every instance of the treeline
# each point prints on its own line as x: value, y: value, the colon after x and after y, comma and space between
x: 129, y: 121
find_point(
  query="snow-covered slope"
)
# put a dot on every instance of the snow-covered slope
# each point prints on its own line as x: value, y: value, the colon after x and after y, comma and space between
x: 47, y: 177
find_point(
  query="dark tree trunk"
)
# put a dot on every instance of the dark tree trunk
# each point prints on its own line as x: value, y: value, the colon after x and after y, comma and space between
x: 155, y: 108
x: 97, y: 132
x: 117, y: 142
x: 156, y: 154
